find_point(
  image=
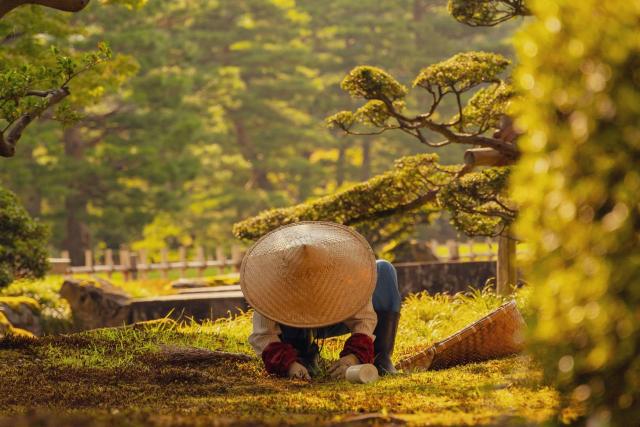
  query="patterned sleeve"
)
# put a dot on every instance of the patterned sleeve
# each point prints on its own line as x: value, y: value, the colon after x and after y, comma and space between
x: 265, y: 331
x: 364, y: 321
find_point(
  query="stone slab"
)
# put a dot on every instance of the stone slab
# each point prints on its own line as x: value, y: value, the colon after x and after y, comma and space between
x: 206, y: 289
x: 198, y: 306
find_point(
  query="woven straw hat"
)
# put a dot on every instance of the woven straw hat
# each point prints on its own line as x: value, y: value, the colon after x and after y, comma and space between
x: 309, y: 274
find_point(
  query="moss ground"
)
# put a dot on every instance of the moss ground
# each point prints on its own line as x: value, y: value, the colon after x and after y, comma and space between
x: 116, y: 377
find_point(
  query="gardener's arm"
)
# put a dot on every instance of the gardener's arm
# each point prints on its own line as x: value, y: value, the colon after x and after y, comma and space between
x: 359, y: 347
x: 279, y: 358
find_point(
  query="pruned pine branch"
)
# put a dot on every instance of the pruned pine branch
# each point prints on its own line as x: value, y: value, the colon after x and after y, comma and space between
x: 459, y: 74
x: 7, y: 6
x: 413, y: 183
x: 10, y: 136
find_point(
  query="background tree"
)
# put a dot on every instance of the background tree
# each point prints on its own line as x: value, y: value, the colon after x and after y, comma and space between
x: 157, y: 160
x: 476, y: 202
x: 34, y: 80
x: 578, y: 182
x: 23, y: 250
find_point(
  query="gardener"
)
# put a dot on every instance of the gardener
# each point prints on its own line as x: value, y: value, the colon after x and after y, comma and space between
x: 315, y: 280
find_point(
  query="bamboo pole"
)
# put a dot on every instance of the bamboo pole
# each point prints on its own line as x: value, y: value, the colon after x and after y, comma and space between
x: 506, y: 268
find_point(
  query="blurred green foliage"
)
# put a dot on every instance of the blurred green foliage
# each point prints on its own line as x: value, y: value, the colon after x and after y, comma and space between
x: 23, y: 250
x: 578, y: 183
x: 210, y: 112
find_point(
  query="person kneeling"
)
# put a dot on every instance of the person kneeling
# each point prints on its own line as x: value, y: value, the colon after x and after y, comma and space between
x: 315, y: 280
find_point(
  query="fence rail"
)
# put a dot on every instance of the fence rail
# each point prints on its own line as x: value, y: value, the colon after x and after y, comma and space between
x: 137, y: 264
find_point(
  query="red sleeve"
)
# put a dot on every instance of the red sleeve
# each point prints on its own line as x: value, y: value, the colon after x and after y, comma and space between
x: 361, y: 346
x: 278, y: 357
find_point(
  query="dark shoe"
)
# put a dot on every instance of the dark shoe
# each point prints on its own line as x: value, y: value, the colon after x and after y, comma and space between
x: 385, y: 333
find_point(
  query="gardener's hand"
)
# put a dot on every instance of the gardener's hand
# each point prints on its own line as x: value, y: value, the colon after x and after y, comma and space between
x: 339, y: 367
x: 299, y: 372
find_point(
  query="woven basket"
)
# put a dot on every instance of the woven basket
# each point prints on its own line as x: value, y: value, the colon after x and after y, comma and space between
x: 498, y: 334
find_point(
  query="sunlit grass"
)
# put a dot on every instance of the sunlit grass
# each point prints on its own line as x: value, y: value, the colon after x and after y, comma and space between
x: 96, y: 371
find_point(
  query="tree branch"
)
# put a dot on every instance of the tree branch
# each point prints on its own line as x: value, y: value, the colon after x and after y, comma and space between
x: 507, y: 149
x: 7, y: 6
x: 14, y: 132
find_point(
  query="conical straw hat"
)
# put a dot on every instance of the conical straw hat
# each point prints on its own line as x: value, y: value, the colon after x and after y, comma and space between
x: 309, y: 274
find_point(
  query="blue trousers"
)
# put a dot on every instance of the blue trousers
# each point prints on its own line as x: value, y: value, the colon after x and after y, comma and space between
x: 386, y: 297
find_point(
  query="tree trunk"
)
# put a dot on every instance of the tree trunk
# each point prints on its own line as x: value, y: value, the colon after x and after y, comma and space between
x: 259, y: 176
x: 305, y: 187
x: 33, y: 200
x: 341, y: 163
x: 365, y: 168
x: 77, y: 233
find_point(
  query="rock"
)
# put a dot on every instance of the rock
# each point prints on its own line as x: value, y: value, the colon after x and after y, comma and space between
x: 197, y: 306
x: 5, y: 325
x: 6, y: 328
x: 96, y: 304
x: 22, y: 313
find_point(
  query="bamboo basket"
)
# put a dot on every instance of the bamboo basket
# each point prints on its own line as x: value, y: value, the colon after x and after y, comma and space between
x: 498, y: 334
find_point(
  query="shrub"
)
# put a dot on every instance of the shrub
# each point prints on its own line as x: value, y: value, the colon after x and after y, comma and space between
x: 23, y: 251
x: 578, y: 183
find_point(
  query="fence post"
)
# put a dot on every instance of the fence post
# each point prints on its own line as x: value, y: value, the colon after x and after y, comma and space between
x: 200, y: 259
x: 125, y: 263
x: 506, y: 268
x: 108, y: 260
x: 183, y: 260
x: 143, y: 265
x: 454, y: 252
x: 164, y: 260
x: 472, y: 252
x: 133, y: 265
x: 88, y: 259
x: 236, y: 256
x: 220, y: 257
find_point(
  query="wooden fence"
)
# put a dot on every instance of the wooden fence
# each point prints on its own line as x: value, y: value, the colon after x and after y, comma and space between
x: 137, y: 264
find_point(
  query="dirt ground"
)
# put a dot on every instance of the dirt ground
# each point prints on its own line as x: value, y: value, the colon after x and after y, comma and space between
x: 42, y: 386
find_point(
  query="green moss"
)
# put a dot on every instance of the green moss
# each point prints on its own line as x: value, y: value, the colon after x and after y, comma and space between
x: 15, y: 303
x: 5, y: 325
